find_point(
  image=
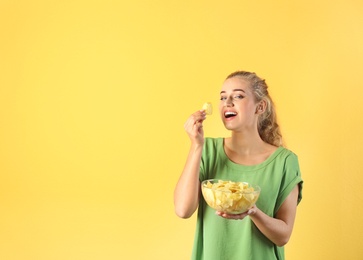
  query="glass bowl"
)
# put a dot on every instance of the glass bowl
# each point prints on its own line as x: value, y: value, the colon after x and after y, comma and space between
x: 228, y: 196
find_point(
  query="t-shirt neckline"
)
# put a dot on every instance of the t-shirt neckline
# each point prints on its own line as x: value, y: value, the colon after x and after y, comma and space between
x: 234, y: 165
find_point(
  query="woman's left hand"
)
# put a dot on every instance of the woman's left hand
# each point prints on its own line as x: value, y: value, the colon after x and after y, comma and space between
x: 241, y: 216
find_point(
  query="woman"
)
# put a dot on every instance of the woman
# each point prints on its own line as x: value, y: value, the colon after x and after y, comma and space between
x: 254, y: 154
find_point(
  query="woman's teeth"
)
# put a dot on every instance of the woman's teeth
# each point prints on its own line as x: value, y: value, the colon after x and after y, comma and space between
x: 229, y: 114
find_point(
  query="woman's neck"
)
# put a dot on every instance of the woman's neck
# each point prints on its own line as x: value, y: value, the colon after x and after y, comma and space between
x: 246, y: 144
x: 247, y: 150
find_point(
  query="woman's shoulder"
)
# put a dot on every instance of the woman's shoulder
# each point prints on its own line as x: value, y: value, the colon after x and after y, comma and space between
x: 213, y: 139
x: 286, y: 151
x: 286, y: 156
x: 212, y: 145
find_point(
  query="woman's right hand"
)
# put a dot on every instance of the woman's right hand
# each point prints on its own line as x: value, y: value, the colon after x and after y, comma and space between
x: 194, y: 127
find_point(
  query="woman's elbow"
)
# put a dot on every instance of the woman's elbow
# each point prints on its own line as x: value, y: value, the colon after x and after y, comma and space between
x: 282, y: 241
x: 183, y: 212
x: 183, y: 215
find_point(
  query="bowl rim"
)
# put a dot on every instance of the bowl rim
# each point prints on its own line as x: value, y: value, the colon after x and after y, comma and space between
x: 257, y: 188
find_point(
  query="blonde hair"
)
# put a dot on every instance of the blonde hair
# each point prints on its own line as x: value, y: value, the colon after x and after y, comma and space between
x: 268, y: 128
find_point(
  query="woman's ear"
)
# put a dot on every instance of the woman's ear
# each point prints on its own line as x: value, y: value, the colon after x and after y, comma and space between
x: 261, y: 107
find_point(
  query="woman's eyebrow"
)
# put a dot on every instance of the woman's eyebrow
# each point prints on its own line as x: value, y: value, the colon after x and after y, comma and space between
x: 237, y: 89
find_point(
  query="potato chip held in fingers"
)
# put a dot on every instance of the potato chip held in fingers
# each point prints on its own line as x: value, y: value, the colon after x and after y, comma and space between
x: 208, y: 108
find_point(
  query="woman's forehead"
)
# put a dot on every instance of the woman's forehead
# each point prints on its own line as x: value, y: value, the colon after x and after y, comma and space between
x: 236, y: 84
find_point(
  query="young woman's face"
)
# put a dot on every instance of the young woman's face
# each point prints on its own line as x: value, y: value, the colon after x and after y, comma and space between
x: 238, y: 108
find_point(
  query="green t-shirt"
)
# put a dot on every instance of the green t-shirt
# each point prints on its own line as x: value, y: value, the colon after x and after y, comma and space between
x: 217, y: 238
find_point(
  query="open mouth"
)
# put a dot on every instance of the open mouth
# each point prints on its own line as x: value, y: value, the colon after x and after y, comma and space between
x: 229, y: 114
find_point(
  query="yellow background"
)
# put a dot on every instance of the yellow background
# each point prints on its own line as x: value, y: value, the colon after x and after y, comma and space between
x: 94, y: 95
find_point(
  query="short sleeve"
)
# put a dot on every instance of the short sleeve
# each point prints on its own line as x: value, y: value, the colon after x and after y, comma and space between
x: 209, y: 154
x: 291, y: 178
x: 203, y: 162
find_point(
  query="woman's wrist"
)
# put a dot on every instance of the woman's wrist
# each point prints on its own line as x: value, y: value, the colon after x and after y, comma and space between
x: 196, y: 146
x: 252, y: 211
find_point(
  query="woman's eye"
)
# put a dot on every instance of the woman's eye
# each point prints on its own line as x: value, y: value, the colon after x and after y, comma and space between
x: 238, y: 97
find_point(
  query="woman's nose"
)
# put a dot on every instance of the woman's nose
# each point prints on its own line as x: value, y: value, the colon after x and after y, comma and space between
x: 228, y: 102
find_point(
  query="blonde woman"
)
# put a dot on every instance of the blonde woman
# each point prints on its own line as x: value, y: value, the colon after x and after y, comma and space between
x: 253, y: 153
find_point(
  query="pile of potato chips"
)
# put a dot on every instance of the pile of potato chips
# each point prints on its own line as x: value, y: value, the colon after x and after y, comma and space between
x: 228, y: 196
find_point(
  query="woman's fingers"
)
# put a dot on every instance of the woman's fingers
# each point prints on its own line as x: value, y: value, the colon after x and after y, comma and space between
x: 232, y: 216
x: 195, y: 122
x: 237, y: 216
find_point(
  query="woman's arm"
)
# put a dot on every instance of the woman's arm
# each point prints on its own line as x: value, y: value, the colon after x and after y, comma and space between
x: 187, y: 190
x: 277, y: 229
